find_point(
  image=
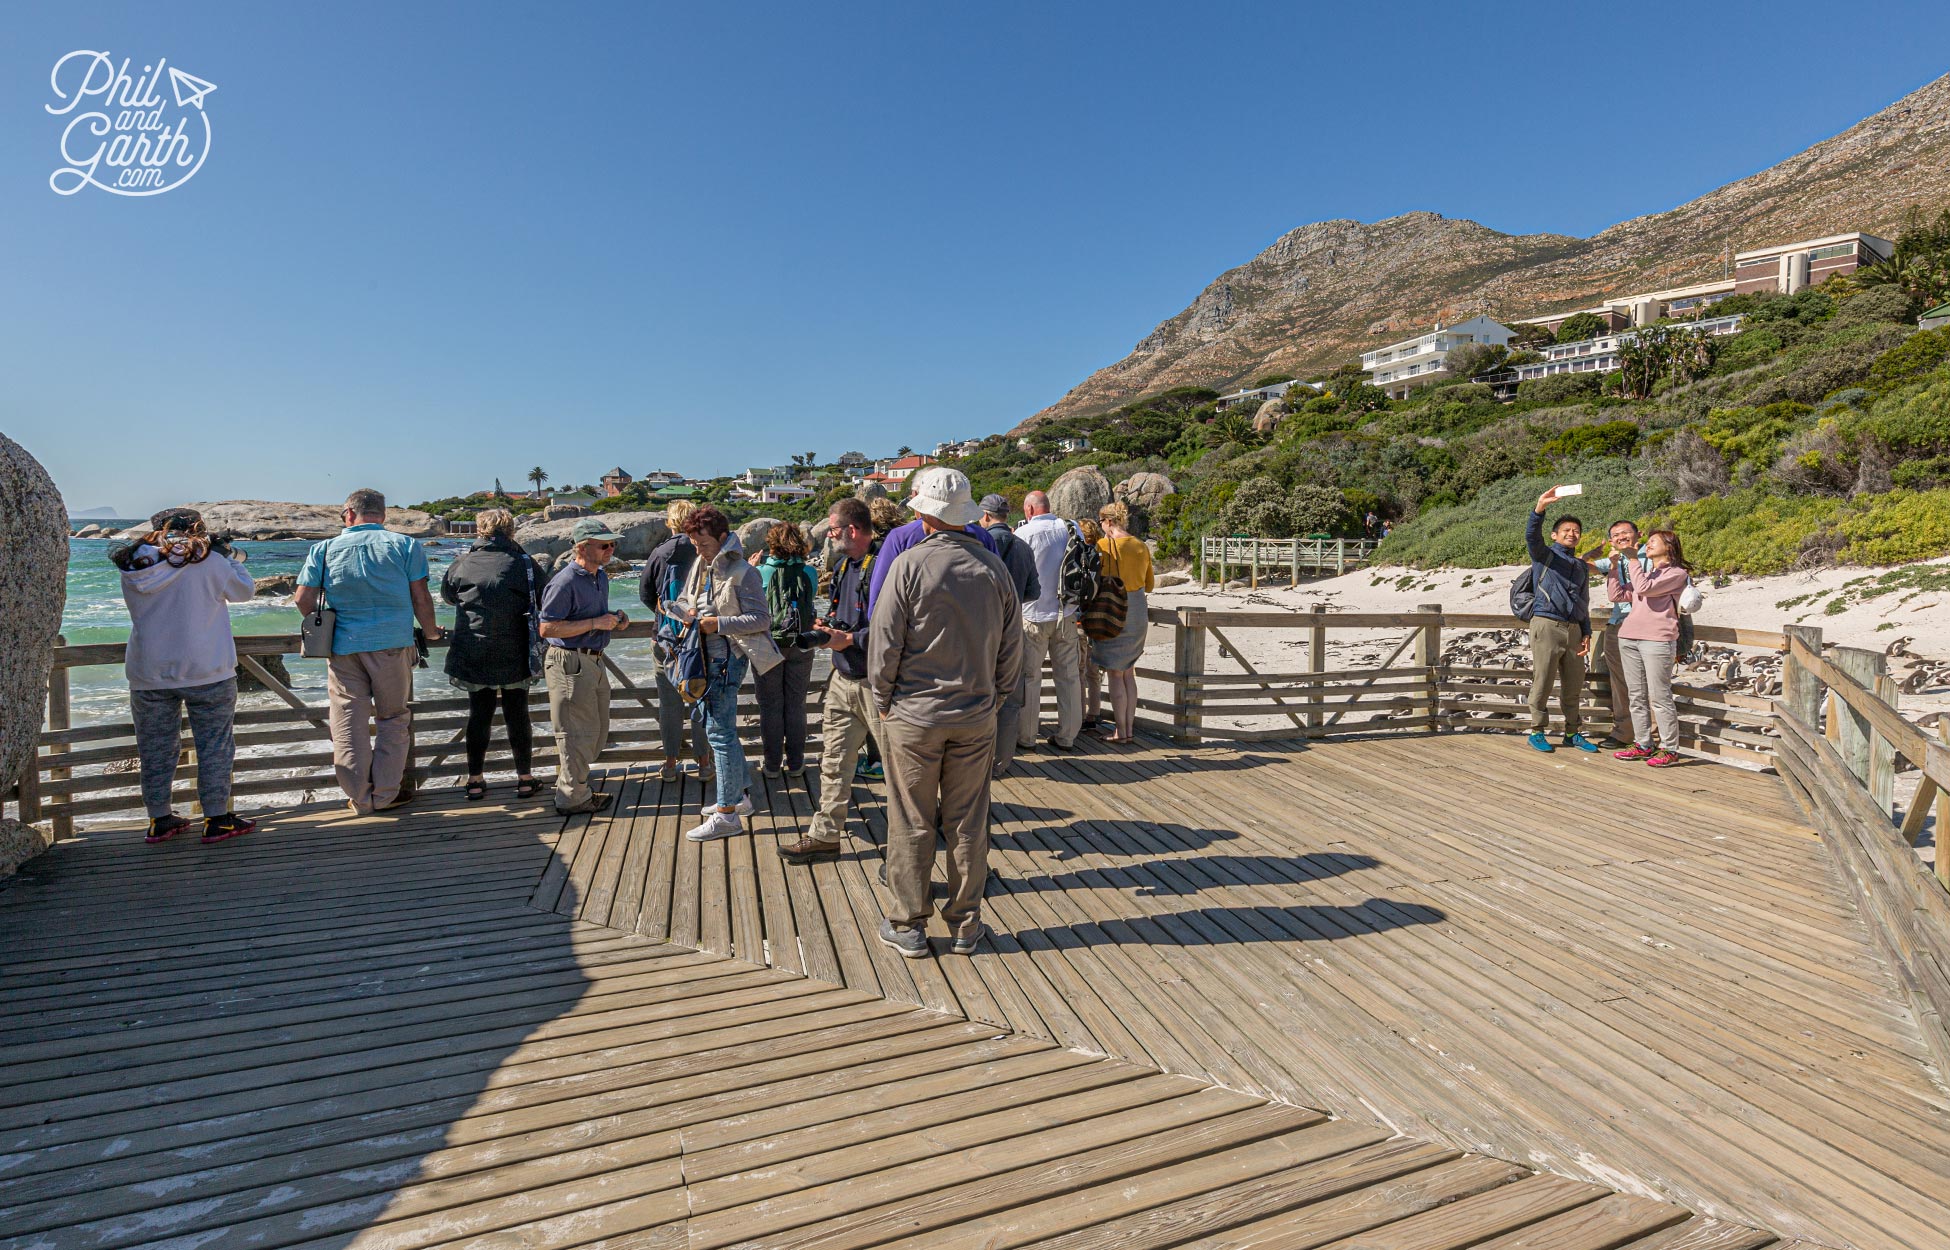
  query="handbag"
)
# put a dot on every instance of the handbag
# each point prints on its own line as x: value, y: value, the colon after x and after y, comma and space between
x: 1691, y: 599
x: 1103, y: 617
x: 316, y: 630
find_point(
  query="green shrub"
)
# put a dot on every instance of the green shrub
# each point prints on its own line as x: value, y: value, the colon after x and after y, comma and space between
x: 1918, y: 354
x: 1756, y: 343
x: 1750, y: 531
x: 1897, y: 527
x: 1913, y: 421
x: 1752, y: 436
x: 1875, y: 304
x: 1558, y: 388
x: 1488, y: 530
x: 1587, y: 442
x: 1581, y: 326
x: 1840, y: 359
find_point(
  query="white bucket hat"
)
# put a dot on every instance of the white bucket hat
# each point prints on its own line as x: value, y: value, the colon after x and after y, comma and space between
x: 945, y: 495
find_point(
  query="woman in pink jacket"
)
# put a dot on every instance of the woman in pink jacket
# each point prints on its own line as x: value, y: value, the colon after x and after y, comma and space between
x: 1648, y: 640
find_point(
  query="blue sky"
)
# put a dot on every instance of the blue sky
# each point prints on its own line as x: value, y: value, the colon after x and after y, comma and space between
x: 438, y: 243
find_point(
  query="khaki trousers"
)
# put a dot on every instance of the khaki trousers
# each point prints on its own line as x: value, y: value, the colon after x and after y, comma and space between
x: 375, y: 687
x: 1554, y: 660
x: 937, y: 778
x: 847, y: 720
x: 578, y: 713
x: 1057, y: 640
x: 1616, y: 698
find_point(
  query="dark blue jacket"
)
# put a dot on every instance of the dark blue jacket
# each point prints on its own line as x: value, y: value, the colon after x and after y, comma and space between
x: 1560, y: 580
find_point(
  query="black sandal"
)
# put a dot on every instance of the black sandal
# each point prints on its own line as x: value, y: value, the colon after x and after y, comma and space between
x: 527, y: 788
x: 476, y: 790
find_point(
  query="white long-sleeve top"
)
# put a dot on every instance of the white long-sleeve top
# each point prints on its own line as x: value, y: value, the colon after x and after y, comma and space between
x: 179, y: 623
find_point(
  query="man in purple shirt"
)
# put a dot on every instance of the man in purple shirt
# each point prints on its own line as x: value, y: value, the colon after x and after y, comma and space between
x: 903, y: 537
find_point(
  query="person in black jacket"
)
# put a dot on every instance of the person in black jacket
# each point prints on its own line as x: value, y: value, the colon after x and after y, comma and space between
x: 661, y: 581
x: 495, y: 587
x: 1560, y: 624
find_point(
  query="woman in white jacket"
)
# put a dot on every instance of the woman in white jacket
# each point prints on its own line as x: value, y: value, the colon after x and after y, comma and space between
x: 178, y: 586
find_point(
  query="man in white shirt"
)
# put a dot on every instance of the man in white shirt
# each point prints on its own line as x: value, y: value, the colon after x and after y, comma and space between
x: 1049, y: 628
x: 178, y: 584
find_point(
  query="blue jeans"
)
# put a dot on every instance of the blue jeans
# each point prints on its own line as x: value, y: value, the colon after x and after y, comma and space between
x: 720, y: 704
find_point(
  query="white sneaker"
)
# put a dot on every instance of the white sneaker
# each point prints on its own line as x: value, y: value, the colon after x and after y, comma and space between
x: 716, y: 825
x: 744, y: 807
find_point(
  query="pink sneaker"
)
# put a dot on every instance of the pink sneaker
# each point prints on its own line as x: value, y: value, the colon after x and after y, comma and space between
x: 1661, y: 759
x: 1633, y: 752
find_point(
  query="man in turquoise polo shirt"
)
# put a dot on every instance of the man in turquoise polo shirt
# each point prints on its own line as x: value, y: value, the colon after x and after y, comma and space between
x: 376, y: 582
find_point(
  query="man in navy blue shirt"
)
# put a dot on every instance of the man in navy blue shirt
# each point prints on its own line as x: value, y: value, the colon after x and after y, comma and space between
x: 1560, y: 624
x: 576, y: 623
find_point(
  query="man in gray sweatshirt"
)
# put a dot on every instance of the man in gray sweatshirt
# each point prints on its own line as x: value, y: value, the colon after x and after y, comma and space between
x: 943, y: 652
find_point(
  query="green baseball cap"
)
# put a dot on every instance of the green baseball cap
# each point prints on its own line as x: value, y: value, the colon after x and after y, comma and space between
x: 590, y: 529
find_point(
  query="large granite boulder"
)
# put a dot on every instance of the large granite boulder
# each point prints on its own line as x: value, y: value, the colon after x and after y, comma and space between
x: 867, y: 492
x: 1268, y: 418
x: 259, y: 519
x: 1144, y: 490
x: 276, y: 584
x: 1079, y: 493
x: 639, y: 531
x: 33, y: 591
x: 752, y: 533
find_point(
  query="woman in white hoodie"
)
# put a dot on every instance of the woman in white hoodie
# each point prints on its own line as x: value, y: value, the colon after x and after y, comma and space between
x: 177, y: 585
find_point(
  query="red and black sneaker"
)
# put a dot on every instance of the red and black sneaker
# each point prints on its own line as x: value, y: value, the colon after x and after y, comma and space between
x: 223, y: 828
x: 163, y: 828
x: 1663, y: 759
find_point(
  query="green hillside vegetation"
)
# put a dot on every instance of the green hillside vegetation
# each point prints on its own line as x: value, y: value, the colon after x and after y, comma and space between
x: 1818, y: 434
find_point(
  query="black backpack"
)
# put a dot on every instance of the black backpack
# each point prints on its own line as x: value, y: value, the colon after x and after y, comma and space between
x: 789, y: 596
x: 1523, y: 594
x: 1083, y: 568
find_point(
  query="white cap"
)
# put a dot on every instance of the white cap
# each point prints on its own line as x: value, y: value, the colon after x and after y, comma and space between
x: 944, y: 494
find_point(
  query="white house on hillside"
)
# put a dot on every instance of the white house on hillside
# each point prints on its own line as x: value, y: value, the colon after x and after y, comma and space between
x: 1399, y: 367
x: 1258, y: 395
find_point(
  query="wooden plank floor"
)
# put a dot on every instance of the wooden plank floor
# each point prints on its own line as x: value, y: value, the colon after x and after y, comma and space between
x: 476, y: 1025
x: 1650, y: 981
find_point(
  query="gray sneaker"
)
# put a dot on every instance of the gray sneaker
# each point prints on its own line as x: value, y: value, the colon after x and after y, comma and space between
x: 911, y: 943
x: 967, y: 945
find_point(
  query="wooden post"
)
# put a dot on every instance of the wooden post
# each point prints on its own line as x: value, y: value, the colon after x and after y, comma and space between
x: 1317, y: 663
x: 1225, y: 549
x: 1253, y: 579
x: 58, y: 717
x: 1882, y: 760
x: 1188, y: 666
x: 1340, y: 556
x: 1295, y: 554
x: 1801, y: 689
x: 1428, y: 657
x: 1869, y: 756
x: 1204, y: 555
x: 1942, y: 811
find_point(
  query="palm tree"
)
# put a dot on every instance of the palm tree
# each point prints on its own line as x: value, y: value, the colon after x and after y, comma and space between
x: 538, y: 475
x: 905, y: 451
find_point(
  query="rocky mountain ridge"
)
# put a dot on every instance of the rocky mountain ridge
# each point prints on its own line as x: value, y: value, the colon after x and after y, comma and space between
x: 1323, y: 293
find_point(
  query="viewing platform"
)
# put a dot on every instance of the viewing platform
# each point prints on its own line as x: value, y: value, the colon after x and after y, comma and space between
x: 1369, y: 985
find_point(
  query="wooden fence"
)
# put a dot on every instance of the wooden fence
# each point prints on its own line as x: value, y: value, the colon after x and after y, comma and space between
x: 1841, y: 742
x: 1316, y: 557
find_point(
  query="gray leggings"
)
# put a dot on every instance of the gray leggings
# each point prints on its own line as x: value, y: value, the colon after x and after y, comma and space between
x: 212, y: 709
x: 1648, y: 680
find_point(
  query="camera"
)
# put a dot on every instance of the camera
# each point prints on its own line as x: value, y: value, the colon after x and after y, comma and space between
x: 814, y: 638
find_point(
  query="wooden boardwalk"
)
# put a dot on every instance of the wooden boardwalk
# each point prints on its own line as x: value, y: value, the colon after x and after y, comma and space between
x: 1533, y: 1015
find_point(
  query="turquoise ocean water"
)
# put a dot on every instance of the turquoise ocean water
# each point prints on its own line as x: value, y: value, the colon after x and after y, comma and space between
x: 95, y: 613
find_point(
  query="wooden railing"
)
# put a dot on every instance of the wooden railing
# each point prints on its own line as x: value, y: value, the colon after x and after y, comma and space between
x: 1227, y: 557
x: 1841, y: 742
x: 1417, y: 687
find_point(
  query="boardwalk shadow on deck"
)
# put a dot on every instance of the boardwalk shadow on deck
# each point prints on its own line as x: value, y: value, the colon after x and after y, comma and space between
x: 1226, y: 926
x: 298, y: 1032
x: 1161, y: 878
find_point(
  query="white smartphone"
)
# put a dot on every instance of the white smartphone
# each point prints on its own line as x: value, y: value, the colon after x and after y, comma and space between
x: 1565, y: 492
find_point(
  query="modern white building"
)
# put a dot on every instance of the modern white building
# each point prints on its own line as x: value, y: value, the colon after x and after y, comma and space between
x: 1258, y: 395
x: 1595, y: 355
x: 785, y: 493
x: 1400, y: 367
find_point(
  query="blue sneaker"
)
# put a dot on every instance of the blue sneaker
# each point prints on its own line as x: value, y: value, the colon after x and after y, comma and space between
x: 1541, y: 743
x: 869, y: 771
x: 1580, y: 742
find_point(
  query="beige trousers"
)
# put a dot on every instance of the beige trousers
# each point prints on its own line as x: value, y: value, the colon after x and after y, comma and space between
x: 578, y: 713
x: 1554, y: 660
x: 372, y: 728
x: 937, y: 778
x: 1057, y: 640
x: 847, y: 719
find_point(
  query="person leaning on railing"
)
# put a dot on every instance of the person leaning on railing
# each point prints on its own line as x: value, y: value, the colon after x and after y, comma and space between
x: 177, y: 582
x: 376, y: 583
x: 495, y: 589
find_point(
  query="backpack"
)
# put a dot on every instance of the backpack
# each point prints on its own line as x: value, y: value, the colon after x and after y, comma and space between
x: 789, y: 597
x: 690, y: 673
x: 1523, y: 594
x: 1103, y: 617
x: 1082, y: 569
